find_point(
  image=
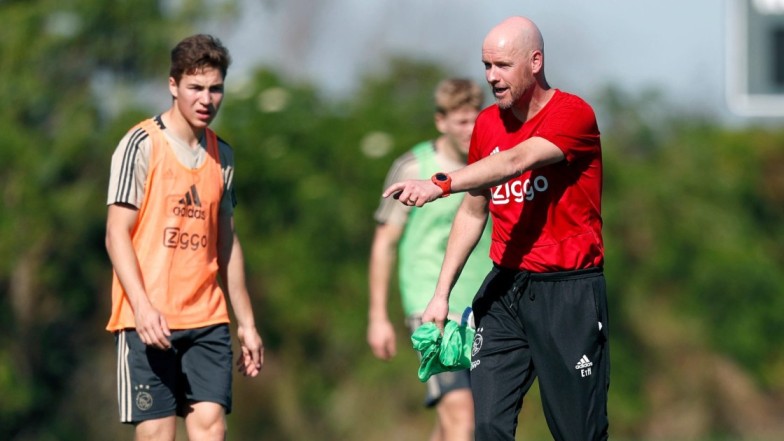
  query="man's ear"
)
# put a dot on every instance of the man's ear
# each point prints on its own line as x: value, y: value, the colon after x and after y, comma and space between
x: 537, y: 61
x: 173, y: 87
x: 440, y: 122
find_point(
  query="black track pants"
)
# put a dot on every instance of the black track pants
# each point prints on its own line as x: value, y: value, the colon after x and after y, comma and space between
x: 552, y: 326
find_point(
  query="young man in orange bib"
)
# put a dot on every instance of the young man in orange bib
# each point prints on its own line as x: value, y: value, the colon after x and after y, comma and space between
x: 171, y: 240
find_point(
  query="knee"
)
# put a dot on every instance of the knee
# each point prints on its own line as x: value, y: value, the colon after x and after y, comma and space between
x: 212, y: 431
x: 462, y: 423
x: 461, y: 419
x: 206, y: 421
x: 456, y: 412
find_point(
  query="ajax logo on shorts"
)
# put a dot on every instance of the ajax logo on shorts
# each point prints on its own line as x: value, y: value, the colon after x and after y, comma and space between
x: 143, y: 397
x: 476, y: 347
x: 477, y: 342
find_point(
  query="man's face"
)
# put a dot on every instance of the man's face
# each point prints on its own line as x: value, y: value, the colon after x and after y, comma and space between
x: 198, y: 96
x: 508, y: 72
x: 457, y: 126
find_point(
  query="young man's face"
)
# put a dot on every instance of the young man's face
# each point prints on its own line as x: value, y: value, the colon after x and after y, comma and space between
x: 198, y: 96
x: 457, y: 126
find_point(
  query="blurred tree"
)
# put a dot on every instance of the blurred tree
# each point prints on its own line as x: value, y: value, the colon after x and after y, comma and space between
x: 692, y: 215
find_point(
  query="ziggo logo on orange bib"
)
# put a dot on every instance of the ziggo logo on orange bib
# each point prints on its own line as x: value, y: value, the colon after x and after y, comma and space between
x: 175, y: 238
x: 519, y: 191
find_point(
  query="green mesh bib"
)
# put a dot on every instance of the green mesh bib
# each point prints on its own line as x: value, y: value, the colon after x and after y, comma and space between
x: 422, y: 247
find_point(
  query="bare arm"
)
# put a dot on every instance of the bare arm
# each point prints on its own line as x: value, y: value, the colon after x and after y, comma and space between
x: 383, y: 255
x: 232, y: 272
x: 151, y: 325
x: 495, y: 169
x: 467, y: 228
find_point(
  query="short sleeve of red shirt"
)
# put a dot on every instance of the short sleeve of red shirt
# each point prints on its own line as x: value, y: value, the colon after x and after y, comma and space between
x: 571, y: 126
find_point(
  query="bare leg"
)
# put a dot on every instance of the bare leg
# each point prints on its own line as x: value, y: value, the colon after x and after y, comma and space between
x: 161, y: 429
x: 206, y: 421
x: 456, y: 416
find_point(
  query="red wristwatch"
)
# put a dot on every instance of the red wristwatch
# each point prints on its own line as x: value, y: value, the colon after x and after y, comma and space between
x: 444, y: 182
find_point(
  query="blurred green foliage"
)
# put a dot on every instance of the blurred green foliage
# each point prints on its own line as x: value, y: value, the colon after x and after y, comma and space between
x: 693, y: 211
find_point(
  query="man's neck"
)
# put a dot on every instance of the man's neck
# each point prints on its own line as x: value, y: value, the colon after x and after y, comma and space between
x: 179, y: 127
x: 444, y: 147
x: 536, y: 102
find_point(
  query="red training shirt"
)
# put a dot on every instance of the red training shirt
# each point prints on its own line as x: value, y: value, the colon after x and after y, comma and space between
x: 548, y: 219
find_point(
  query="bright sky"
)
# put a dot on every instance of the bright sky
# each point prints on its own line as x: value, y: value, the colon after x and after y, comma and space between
x: 676, y: 46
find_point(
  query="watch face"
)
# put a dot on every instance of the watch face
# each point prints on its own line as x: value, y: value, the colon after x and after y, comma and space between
x: 441, y: 176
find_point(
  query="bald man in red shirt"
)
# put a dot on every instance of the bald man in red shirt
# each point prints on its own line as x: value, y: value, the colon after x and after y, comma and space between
x: 535, y: 166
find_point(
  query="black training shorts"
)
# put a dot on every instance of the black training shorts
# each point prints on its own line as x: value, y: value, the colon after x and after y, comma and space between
x: 153, y: 383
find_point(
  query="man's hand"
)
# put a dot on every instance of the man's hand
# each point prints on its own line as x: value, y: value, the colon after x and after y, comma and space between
x: 152, y: 327
x: 414, y: 192
x: 436, y: 312
x: 381, y: 338
x: 251, y: 357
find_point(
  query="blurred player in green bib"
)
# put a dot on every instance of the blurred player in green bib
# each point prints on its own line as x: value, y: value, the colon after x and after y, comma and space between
x: 415, y: 239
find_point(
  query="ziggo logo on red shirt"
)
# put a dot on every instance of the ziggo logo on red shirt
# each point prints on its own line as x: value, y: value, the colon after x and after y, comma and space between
x: 519, y: 191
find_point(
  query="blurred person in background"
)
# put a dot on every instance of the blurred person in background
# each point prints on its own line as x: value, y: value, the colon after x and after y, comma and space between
x: 535, y: 166
x: 174, y: 250
x: 418, y: 237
